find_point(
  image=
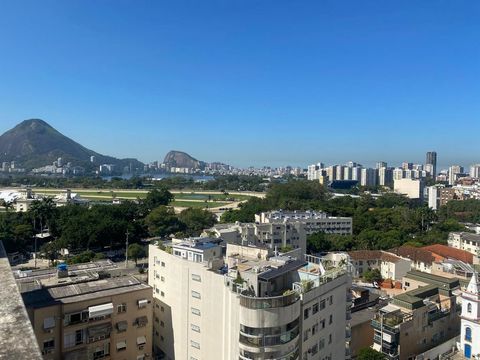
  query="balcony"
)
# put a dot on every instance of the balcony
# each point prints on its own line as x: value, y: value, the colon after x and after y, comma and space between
x: 269, y: 302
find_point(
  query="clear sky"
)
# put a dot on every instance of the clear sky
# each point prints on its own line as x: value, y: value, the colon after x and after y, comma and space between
x: 265, y: 82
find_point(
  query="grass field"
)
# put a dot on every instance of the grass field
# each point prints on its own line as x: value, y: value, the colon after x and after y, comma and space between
x: 182, y: 199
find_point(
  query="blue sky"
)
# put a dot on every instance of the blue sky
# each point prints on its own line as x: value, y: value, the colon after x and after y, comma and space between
x: 264, y: 82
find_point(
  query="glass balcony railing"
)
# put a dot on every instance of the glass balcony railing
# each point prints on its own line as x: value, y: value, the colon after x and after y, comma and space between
x: 251, y: 302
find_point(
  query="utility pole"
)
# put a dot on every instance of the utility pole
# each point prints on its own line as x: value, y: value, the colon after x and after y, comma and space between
x: 126, y: 251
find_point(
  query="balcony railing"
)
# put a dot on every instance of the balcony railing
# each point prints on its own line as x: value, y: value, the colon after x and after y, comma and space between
x: 251, y: 302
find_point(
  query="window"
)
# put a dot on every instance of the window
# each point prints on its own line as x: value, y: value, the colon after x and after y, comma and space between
x: 407, y: 283
x: 121, y: 308
x: 322, y: 324
x: 195, y: 344
x: 314, y: 308
x: 314, y: 349
x: 321, y: 344
x: 306, y: 313
x: 469, y: 307
x: 162, y: 324
x: 330, y: 338
x: 314, y: 329
x: 468, y: 334
x: 195, y: 311
x: 196, y: 277
x: 195, y: 328
x: 162, y: 279
x: 48, y: 345
x: 48, y: 323
x: 330, y: 300
x: 162, y: 294
x: 162, y: 309
x: 163, y: 264
x: 196, y: 295
x: 330, y: 321
x: 322, y: 304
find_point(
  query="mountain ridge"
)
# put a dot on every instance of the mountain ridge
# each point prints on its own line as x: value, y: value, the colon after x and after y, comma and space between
x: 35, y: 143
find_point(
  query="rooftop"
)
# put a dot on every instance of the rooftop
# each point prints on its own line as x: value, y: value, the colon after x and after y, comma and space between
x: 17, y: 340
x: 468, y: 236
x: 450, y: 253
x: 374, y: 254
x: 414, y: 254
x: 439, y: 281
x: 72, y: 293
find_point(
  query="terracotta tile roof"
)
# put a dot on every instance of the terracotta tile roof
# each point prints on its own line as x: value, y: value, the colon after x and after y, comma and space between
x: 373, y: 255
x: 415, y: 254
x: 450, y: 253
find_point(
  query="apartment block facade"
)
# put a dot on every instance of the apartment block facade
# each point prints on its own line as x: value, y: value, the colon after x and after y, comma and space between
x: 248, y: 303
x: 85, y: 315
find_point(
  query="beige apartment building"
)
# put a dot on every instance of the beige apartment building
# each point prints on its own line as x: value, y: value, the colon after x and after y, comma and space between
x: 83, y: 313
x: 418, y: 320
x: 249, y: 303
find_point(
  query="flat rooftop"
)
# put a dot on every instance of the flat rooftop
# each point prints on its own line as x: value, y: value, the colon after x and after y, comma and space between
x: 439, y: 281
x: 17, y: 340
x: 72, y: 293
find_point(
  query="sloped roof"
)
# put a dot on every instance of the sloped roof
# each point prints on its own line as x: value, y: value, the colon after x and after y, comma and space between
x: 450, y: 253
x: 415, y: 254
x: 374, y: 255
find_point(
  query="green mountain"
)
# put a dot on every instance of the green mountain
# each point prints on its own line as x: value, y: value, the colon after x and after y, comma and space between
x: 34, y: 143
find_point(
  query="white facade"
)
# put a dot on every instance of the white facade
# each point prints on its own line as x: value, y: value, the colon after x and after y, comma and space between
x: 260, y: 307
x: 465, y: 241
x: 409, y: 187
x: 470, y: 323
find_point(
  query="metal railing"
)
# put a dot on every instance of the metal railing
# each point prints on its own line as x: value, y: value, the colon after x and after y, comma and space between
x: 251, y: 302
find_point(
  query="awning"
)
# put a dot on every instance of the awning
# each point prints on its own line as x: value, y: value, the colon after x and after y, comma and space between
x: 142, y: 320
x: 100, y: 310
x: 122, y: 325
x: 99, y: 330
x: 141, y: 340
x: 48, y: 322
x: 121, y: 344
x: 142, y: 303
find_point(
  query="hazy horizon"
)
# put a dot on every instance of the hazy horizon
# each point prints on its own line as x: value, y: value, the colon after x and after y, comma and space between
x: 248, y: 83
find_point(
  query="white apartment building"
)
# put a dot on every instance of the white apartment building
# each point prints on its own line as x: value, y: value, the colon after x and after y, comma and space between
x: 249, y: 304
x: 465, y: 241
x: 412, y: 188
x: 313, y: 221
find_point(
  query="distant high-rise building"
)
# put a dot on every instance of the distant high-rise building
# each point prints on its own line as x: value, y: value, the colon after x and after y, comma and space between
x: 368, y: 177
x: 432, y: 160
x: 92, y: 159
x: 452, y: 173
x: 385, y: 176
x: 59, y: 162
x: 475, y: 171
x: 407, y: 165
x: 380, y: 164
x: 347, y: 173
x: 339, y: 172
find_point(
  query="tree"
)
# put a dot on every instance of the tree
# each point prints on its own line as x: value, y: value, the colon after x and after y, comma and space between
x: 156, y: 198
x: 162, y: 221
x: 135, y: 251
x: 50, y: 250
x: 195, y: 220
x: 373, y: 276
x: 370, y: 354
x: 318, y: 242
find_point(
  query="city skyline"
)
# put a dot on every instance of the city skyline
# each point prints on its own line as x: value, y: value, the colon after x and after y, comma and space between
x: 224, y: 82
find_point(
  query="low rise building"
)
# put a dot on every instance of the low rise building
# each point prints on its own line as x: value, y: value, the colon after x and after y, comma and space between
x: 391, y: 266
x: 313, y: 221
x: 248, y: 304
x: 465, y: 241
x: 84, y: 313
x: 418, y: 320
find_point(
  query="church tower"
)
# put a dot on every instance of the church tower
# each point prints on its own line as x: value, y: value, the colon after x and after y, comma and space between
x: 470, y: 328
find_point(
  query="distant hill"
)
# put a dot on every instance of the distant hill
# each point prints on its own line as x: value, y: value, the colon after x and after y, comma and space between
x: 183, y: 160
x: 34, y: 143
